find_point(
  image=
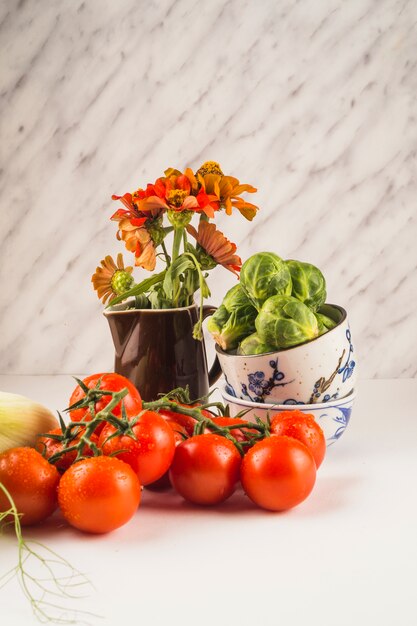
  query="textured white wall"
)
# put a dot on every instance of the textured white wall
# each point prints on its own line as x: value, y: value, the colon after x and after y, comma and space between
x: 312, y: 102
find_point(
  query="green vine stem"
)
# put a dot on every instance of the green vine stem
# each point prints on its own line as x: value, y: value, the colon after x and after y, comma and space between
x: 203, y: 422
x: 123, y: 425
x: 253, y: 431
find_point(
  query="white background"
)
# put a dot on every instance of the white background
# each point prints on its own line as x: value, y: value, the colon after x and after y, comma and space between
x: 314, y: 103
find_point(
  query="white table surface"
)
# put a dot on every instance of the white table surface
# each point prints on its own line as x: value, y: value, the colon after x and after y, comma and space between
x: 346, y: 556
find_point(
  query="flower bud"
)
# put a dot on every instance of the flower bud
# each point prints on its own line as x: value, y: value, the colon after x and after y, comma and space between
x: 180, y: 219
x: 156, y: 230
x: 121, y: 282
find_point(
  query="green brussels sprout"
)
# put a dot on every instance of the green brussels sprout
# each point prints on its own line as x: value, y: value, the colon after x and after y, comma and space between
x: 264, y: 275
x: 308, y: 284
x: 218, y: 320
x: 325, y: 323
x: 233, y: 320
x: 332, y: 312
x: 284, y: 322
x: 235, y: 298
x: 253, y: 345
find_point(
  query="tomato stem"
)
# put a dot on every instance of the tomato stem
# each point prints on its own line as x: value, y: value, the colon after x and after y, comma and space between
x: 205, y: 422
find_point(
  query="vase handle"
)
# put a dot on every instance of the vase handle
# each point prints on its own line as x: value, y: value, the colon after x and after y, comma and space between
x: 215, y: 371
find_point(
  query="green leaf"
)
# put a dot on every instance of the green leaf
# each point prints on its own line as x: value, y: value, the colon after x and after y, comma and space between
x: 142, y: 287
x: 178, y: 267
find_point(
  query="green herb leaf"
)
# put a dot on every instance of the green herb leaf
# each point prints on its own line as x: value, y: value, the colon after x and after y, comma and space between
x: 142, y: 287
x: 178, y: 267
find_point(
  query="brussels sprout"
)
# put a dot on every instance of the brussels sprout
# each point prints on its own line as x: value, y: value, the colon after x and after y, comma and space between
x: 233, y: 320
x: 218, y: 320
x: 263, y: 275
x: 332, y: 312
x: 284, y: 322
x: 235, y: 298
x: 308, y: 284
x: 325, y: 323
x: 253, y: 345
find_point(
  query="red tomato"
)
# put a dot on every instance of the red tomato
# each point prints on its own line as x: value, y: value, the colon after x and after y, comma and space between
x: 109, y: 382
x: 180, y: 434
x: 237, y: 433
x: 31, y: 482
x: 301, y: 426
x: 278, y: 473
x: 150, y: 454
x: 99, y: 494
x: 205, y: 469
x: 48, y: 447
x: 186, y: 421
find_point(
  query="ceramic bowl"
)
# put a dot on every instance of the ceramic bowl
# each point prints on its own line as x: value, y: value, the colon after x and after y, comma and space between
x: 332, y: 416
x: 320, y: 370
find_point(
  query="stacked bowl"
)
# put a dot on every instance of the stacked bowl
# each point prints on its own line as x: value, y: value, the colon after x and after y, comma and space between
x: 317, y: 377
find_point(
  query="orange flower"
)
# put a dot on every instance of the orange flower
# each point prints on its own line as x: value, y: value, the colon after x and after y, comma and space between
x: 133, y: 230
x: 216, y: 245
x: 226, y: 188
x: 178, y: 192
x: 112, y: 279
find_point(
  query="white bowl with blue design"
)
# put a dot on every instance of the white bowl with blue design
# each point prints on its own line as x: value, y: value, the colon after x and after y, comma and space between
x: 333, y: 416
x: 318, y: 371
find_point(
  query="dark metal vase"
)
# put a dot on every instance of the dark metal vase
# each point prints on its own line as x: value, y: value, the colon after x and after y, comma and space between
x: 155, y: 349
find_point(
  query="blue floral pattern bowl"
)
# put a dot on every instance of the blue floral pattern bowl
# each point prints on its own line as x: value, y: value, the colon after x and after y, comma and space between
x: 333, y: 416
x: 320, y: 370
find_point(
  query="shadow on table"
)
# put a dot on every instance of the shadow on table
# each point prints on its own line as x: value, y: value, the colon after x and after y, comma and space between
x: 330, y: 494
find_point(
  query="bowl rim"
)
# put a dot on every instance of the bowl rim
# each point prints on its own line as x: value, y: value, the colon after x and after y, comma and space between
x: 288, y: 407
x: 222, y: 353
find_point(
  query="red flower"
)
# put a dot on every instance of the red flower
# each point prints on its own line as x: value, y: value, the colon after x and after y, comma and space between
x: 178, y: 192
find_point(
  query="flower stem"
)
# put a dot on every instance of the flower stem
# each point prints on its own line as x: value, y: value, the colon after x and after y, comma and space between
x: 175, y: 253
x: 177, y: 242
x: 198, y: 328
x: 166, y: 255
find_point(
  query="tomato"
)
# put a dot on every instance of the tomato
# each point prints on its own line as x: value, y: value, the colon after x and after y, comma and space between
x: 110, y: 382
x: 99, y: 494
x: 186, y: 421
x: 150, y: 454
x: 278, y: 473
x: 237, y: 433
x: 31, y: 481
x: 205, y: 469
x: 48, y: 446
x: 301, y: 426
x: 180, y: 434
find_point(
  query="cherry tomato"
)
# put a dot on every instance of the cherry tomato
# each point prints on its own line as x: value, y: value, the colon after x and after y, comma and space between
x: 237, y: 433
x: 186, y: 421
x: 110, y: 382
x: 278, y: 473
x: 150, y: 453
x: 48, y: 446
x: 99, y: 494
x: 32, y: 483
x: 180, y: 434
x: 205, y: 469
x: 301, y: 426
